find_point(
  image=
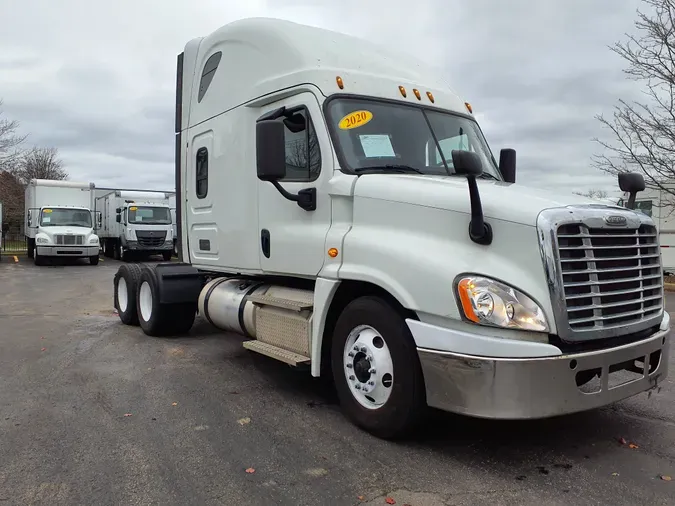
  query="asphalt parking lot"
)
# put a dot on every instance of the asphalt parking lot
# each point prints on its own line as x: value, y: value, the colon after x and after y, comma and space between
x: 94, y: 412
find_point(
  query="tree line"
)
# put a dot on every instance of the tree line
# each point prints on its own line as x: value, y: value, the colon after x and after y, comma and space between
x: 19, y: 163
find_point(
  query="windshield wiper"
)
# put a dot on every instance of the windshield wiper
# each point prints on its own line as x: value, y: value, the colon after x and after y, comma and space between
x: 389, y: 168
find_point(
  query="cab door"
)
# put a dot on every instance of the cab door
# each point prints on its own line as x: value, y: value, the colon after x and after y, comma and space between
x: 292, y: 240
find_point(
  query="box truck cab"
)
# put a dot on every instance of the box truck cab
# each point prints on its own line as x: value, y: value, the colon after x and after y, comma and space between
x: 657, y: 203
x: 136, y: 222
x: 339, y: 206
x: 59, y: 220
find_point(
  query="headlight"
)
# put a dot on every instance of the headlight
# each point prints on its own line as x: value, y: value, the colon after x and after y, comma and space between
x: 489, y: 302
x: 42, y: 240
x: 93, y: 240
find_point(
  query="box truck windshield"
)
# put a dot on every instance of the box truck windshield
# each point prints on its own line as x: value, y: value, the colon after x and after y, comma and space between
x: 150, y: 215
x: 372, y: 134
x: 56, y: 217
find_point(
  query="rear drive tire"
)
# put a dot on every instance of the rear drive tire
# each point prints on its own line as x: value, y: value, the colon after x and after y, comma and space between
x: 93, y: 260
x: 158, y: 319
x: 125, y: 285
x: 377, y: 373
x: 30, y: 249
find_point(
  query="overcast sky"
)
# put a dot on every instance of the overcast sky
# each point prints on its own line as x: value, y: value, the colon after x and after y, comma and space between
x: 96, y: 79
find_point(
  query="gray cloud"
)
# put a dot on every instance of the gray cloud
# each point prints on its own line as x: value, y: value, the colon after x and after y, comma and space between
x: 97, y: 83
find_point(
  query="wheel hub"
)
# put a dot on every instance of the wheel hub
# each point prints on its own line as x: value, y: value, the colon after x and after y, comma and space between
x: 368, y: 367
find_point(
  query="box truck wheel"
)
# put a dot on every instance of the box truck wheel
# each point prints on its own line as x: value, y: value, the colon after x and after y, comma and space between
x: 158, y: 319
x: 30, y: 248
x: 125, y: 285
x: 376, y: 369
x: 38, y: 259
x: 166, y: 255
x: 93, y: 260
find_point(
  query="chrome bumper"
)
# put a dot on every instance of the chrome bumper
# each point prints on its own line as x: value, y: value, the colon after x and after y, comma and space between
x: 68, y: 251
x: 541, y: 387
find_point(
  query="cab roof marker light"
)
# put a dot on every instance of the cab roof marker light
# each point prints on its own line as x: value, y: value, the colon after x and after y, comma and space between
x: 430, y: 96
x: 403, y: 92
x: 339, y: 82
x: 468, y: 107
x: 417, y: 93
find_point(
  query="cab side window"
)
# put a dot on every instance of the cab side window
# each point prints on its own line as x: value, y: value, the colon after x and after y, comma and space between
x: 303, y: 156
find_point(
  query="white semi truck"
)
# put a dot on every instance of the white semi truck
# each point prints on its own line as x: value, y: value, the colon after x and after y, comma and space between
x: 135, y: 223
x: 338, y: 205
x: 60, y: 220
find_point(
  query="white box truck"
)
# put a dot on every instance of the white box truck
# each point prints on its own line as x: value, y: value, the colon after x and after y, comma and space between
x: 59, y: 220
x: 135, y: 223
x: 657, y: 204
x: 339, y: 206
x: 172, y: 205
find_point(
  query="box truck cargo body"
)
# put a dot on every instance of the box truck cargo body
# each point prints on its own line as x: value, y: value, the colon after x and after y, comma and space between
x: 338, y: 205
x: 135, y: 223
x: 60, y: 220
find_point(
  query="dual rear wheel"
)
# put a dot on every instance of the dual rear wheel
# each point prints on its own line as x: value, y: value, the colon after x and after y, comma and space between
x: 137, y: 300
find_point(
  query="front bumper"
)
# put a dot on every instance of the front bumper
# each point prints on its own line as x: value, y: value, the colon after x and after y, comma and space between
x: 136, y: 246
x: 537, y: 387
x: 68, y: 251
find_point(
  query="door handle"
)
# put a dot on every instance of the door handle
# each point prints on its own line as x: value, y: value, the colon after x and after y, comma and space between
x: 265, y: 242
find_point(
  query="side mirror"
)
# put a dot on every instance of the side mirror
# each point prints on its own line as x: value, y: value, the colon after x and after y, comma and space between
x: 507, y: 164
x: 118, y: 210
x: 270, y: 150
x: 632, y: 183
x: 30, y: 218
x: 99, y: 219
x: 469, y: 164
x: 118, y: 218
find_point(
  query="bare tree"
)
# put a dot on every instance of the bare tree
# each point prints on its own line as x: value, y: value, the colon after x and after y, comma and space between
x: 40, y: 163
x: 644, y: 132
x: 12, y: 198
x: 594, y: 194
x: 10, y: 142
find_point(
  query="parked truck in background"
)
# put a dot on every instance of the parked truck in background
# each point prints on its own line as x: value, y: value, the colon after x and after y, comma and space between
x: 60, y: 220
x: 172, y: 206
x: 135, y: 223
x: 339, y: 206
x: 658, y: 204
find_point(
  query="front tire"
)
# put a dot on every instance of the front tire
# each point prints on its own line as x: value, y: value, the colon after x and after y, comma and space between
x: 93, y: 260
x: 376, y: 369
x: 125, y: 286
x: 158, y: 319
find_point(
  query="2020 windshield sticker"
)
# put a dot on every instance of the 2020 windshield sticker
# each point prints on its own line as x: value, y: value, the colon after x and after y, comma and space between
x: 133, y: 208
x: 355, y: 119
x: 47, y: 211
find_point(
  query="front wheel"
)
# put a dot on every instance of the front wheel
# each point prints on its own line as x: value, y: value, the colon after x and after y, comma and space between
x: 376, y: 369
x: 93, y: 260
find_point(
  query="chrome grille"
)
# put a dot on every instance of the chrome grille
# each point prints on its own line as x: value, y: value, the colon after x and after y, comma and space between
x: 610, y: 277
x: 69, y: 240
x: 603, y: 266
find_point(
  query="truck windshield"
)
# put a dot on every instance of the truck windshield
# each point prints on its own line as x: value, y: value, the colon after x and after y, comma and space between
x: 373, y: 135
x: 150, y: 215
x: 55, y: 217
